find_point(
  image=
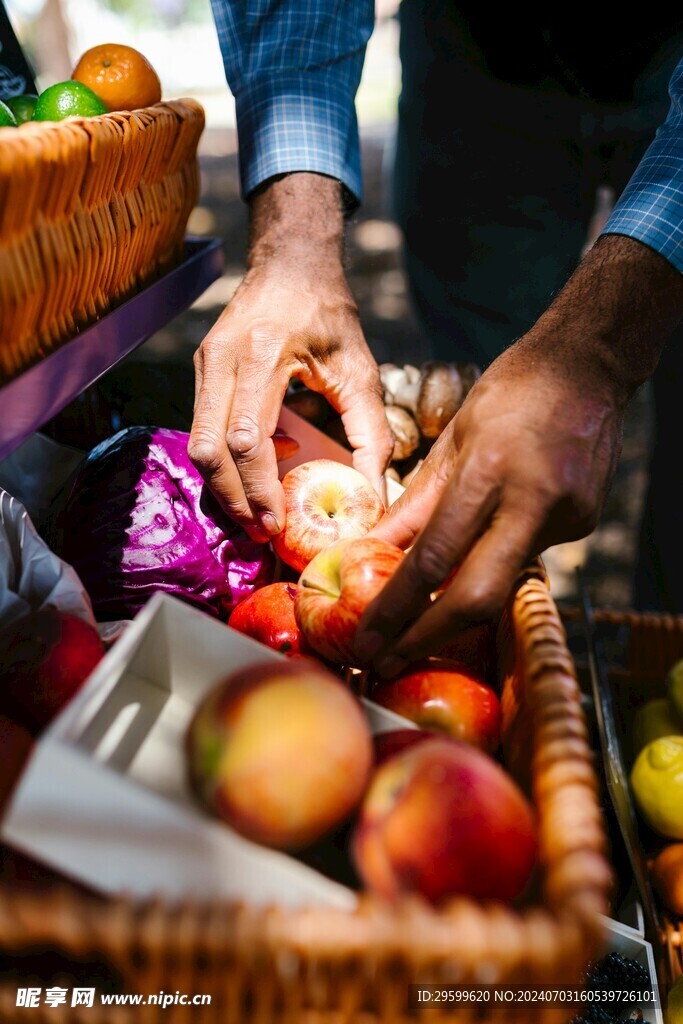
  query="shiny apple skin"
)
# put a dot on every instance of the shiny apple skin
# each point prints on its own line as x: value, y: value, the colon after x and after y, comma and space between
x: 267, y: 615
x: 281, y: 751
x: 337, y: 587
x: 326, y: 502
x: 443, y: 696
x: 443, y: 819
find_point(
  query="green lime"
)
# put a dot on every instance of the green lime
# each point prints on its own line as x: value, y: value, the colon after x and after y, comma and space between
x: 653, y: 720
x: 67, y: 99
x: 7, y: 118
x: 675, y: 684
x: 22, y: 107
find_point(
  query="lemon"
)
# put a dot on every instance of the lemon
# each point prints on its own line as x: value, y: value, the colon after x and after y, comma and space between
x: 653, y: 720
x: 7, y: 118
x: 674, y: 1004
x: 22, y: 107
x: 674, y: 681
x: 657, y: 782
x: 67, y: 99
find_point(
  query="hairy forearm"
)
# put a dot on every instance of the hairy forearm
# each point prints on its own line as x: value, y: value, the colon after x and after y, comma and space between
x: 297, y: 217
x: 612, y: 319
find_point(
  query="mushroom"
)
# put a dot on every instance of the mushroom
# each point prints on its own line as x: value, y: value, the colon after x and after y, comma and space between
x: 440, y: 396
x: 409, y: 477
x: 401, y: 385
x: 404, y: 429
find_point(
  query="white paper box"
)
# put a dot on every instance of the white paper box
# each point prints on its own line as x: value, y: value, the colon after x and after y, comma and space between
x: 104, y: 798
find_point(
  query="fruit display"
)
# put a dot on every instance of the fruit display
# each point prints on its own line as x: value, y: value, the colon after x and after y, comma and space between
x: 267, y: 615
x: 7, y: 117
x: 336, y: 587
x: 657, y: 783
x: 282, y: 752
x: 68, y: 99
x: 119, y: 75
x: 108, y: 77
x: 22, y: 107
x: 441, y: 695
x: 477, y: 833
x: 667, y: 877
x: 326, y: 502
x: 653, y: 720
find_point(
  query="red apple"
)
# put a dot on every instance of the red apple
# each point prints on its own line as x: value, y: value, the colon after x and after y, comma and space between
x: 438, y: 694
x: 49, y: 654
x: 336, y: 588
x: 326, y: 502
x: 267, y: 615
x: 475, y: 647
x: 393, y: 742
x: 281, y: 751
x: 442, y: 819
x: 16, y: 743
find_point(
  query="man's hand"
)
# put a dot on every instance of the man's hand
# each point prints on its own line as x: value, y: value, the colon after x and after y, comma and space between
x: 524, y: 464
x: 292, y: 316
x: 528, y: 459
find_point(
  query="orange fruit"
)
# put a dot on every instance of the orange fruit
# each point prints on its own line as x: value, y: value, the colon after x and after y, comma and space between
x: 667, y: 875
x: 120, y: 75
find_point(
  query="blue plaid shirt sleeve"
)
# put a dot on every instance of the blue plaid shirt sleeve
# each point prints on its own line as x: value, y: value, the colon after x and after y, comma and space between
x: 651, y: 206
x: 294, y: 67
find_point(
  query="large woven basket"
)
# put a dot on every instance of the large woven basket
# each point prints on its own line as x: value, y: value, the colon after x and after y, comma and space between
x: 649, y: 644
x: 327, y: 966
x: 90, y: 209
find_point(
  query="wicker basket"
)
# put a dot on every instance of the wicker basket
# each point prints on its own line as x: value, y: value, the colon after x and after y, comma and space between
x: 652, y: 644
x: 90, y: 209
x: 327, y: 966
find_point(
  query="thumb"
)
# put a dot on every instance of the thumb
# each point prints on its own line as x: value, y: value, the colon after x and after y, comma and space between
x: 407, y: 516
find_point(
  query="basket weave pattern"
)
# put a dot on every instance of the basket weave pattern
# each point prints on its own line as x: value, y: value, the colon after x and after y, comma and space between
x: 90, y: 209
x: 327, y: 966
x: 654, y: 643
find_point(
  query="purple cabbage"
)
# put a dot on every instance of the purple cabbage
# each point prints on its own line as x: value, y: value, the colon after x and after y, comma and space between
x: 140, y: 519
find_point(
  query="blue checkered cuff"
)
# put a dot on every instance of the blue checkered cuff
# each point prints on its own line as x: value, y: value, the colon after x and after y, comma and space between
x: 299, y: 121
x: 651, y: 207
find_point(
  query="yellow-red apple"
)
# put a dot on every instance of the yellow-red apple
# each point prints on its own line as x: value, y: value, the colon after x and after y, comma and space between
x: 441, y: 695
x: 336, y: 588
x: 442, y: 818
x: 326, y: 502
x: 267, y: 615
x: 280, y: 751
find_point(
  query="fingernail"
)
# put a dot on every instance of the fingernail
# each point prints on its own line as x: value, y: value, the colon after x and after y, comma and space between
x: 366, y: 646
x: 390, y: 666
x: 270, y: 524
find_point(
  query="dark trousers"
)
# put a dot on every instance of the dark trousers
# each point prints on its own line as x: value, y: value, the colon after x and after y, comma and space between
x: 494, y: 188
